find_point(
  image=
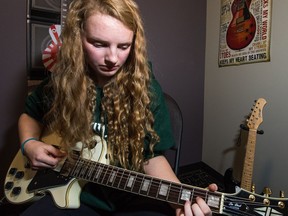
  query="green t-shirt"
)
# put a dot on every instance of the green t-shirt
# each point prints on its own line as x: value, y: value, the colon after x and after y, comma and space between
x: 38, y: 103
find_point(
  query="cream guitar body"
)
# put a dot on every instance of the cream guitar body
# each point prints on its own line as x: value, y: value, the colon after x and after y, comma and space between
x: 22, y: 184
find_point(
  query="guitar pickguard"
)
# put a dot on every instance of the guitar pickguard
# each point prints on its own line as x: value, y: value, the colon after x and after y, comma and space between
x: 46, y: 179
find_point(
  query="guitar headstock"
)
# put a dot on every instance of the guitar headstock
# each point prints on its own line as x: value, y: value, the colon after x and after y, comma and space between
x: 256, y: 116
x: 249, y: 203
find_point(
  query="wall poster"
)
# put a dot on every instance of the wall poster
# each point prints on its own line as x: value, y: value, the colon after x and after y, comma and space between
x: 244, y: 32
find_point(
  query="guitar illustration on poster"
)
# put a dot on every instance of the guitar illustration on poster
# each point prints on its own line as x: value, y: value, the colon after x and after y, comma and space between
x: 49, y: 55
x: 242, y: 28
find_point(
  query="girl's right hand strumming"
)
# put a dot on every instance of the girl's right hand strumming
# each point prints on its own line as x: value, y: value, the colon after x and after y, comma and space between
x: 42, y: 155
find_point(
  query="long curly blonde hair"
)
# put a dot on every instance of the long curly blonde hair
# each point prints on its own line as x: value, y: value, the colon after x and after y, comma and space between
x: 126, y: 100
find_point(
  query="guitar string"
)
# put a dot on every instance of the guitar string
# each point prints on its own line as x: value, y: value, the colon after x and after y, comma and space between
x: 128, y: 174
x: 174, y: 191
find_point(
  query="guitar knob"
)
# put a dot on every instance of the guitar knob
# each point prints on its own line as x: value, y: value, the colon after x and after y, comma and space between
x: 9, y: 185
x: 16, y: 191
x: 282, y: 194
x: 267, y: 191
x: 19, y: 175
x: 12, y: 171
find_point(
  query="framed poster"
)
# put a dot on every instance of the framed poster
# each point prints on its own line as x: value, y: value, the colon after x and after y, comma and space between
x: 244, y: 32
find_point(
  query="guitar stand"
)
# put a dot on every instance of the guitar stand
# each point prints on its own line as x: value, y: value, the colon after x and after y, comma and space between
x: 242, y: 126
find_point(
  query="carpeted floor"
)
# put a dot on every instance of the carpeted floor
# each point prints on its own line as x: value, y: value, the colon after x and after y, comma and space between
x: 201, y: 175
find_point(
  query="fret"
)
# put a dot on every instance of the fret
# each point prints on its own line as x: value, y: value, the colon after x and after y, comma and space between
x: 186, y: 193
x: 145, y: 186
x: 206, y: 197
x: 112, y: 177
x: 117, y: 182
x: 130, y: 182
x: 199, y: 193
x: 137, y: 184
x: 76, y: 169
x: 106, y: 175
x: 154, y: 187
x: 92, y: 169
x: 84, y: 167
x: 123, y: 180
x: 127, y: 179
x: 98, y: 173
x: 102, y: 174
x: 213, y: 201
x: 163, y: 190
x: 174, y: 193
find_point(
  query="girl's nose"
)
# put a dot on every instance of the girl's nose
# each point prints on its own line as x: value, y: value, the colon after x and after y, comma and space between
x: 111, y: 56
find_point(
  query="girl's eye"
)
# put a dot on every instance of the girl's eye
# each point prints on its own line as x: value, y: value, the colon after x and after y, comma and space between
x: 100, y: 45
x: 124, y: 47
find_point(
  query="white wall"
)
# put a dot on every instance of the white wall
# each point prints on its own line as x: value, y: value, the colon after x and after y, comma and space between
x: 230, y: 93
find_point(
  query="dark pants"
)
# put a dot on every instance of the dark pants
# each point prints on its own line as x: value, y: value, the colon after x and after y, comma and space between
x: 142, y: 206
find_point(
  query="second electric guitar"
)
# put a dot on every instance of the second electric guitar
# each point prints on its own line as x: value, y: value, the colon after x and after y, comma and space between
x: 253, y: 123
x: 255, y: 119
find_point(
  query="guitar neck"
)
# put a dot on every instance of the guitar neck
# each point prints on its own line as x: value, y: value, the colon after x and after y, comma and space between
x: 140, y: 184
x: 247, y: 174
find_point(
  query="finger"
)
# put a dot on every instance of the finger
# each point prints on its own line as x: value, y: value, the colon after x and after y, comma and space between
x: 196, y: 210
x: 39, y: 166
x: 204, y: 208
x: 36, y: 165
x: 187, y: 209
x: 54, y: 152
x: 213, y: 187
x: 46, y: 160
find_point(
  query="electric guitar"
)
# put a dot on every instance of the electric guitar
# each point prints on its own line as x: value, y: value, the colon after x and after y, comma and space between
x: 253, y: 123
x: 64, y: 183
x: 242, y: 27
x: 49, y: 55
x: 255, y: 119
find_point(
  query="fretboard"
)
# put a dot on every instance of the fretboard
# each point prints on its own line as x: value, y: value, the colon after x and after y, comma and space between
x: 141, y: 184
x: 247, y: 174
